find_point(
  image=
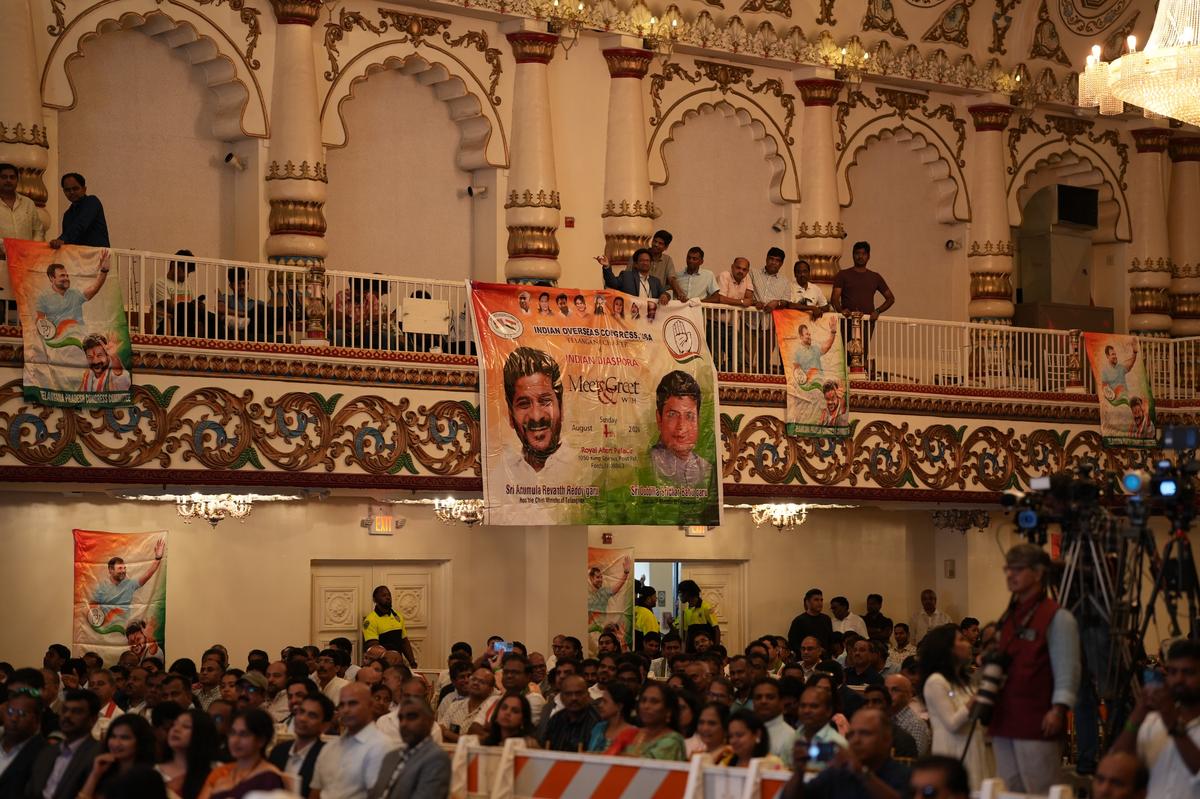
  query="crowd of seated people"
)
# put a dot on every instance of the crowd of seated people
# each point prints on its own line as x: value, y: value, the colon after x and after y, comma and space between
x: 875, y: 715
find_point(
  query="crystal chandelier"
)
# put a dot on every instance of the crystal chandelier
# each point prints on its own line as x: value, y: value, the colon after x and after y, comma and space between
x: 780, y: 515
x: 462, y: 511
x: 212, y: 508
x: 962, y: 520
x: 1163, y: 79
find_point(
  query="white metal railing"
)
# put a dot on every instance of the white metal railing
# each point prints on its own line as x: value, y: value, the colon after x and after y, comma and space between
x: 207, y: 298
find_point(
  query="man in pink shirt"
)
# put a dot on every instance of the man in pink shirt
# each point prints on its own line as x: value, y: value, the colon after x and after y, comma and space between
x: 734, y: 288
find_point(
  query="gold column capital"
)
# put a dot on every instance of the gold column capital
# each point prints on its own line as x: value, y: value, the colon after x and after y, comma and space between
x: 819, y: 91
x: 991, y: 116
x: 532, y: 47
x: 1184, y: 148
x: 627, y: 62
x: 296, y: 12
x: 1151, y: 140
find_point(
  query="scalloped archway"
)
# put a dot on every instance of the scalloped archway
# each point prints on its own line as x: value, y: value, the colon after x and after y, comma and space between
x: 475, y: 118
x: 241, y: 107
x: 785, y: 185
x: 954, y: 203
x: 1068, y: 167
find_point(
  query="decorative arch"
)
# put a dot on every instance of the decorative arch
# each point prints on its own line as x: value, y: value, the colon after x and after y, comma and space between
x: 1085, y: 169
x: 241, y: 108
x: 941, y: 163
x: 476, y: 118
x: 785, y: 182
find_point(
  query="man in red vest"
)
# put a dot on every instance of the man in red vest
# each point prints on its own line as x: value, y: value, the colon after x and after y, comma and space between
x: 1042, y: 641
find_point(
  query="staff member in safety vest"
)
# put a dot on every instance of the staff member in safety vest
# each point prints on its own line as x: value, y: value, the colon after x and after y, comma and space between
x: 384, y: 626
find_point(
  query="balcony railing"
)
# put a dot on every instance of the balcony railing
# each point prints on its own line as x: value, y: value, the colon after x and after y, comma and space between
x: 188, y: 298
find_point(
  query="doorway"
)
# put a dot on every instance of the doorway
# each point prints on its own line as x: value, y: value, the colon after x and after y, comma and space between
x: 721, y: 586
x: 341, y: 598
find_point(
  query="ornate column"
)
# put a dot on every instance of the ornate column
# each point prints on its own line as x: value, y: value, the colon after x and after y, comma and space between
x: 1184, y: 233
x: 296, y: 180
x: 23, y: 140
x: 629, y: 212
x: 990, y: 254
x: 532, y: 208
x: 1149, y: 267
x: 819, y: 232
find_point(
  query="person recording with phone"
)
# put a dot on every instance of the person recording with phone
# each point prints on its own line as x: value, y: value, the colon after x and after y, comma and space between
x: 1038, y: 648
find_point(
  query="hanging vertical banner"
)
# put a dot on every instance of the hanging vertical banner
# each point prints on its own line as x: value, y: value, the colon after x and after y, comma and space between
x: 610, y: 596
x: 598, y: 408
x: 120, y: 594
x: 1127, y: 412
x: 814, y: 366
x: 77, y: 350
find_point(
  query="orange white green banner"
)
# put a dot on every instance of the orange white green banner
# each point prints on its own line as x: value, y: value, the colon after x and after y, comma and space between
x: 598, y: 408
x: 76, y: 340
x: 120, y: 594
x: 814, y: 367
x: 1127, y: 413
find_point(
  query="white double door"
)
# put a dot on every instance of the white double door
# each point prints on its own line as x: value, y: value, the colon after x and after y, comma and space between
x: 721, y: 587
x: 341, y: 598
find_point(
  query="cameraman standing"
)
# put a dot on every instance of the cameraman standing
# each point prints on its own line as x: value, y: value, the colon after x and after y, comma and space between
x: 1041, y: 641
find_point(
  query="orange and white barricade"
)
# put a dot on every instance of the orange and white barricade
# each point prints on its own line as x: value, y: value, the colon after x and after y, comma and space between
x: 563, y: 775
x: 752, y: 782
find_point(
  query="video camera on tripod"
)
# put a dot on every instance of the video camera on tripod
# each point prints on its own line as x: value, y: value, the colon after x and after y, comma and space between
x: 1068, y: 499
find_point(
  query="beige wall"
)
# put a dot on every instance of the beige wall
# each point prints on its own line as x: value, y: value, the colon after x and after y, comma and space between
x: 248, y: 584
x: 140, y: 133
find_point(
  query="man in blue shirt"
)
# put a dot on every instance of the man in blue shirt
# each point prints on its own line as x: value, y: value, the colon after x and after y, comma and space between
x: 1112, y: 374
x: 117, y: 593
x: 83, y: 221
x: 807, y: 356
x: 64, y: 303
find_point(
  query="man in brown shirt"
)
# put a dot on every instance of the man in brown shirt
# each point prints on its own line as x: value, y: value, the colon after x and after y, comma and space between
x: 854, y: 289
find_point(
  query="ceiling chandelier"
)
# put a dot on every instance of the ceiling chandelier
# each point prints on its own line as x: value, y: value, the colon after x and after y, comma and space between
x: 780, y: 515
x: 459, y: 511
x: 1163, y: 79
x: 213, y: 508
x: 962, y: 520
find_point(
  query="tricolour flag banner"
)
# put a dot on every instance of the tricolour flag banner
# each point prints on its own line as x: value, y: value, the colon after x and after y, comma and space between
x: 598, y: 408
x: 120, y: 594
x: 610, y: 596
x: 77, y: 350
x: 1123, y: 389
x: 814, y: 366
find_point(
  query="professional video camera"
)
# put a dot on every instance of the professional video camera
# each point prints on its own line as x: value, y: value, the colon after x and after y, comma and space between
x: 1069, y: 499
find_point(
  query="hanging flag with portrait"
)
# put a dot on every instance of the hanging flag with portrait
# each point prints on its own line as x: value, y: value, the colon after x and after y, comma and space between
x: 814, y: 368
x: 120, y: 594
x: 76, y: 340
x: 1127, y: 414
x: 610, y: 586
x: 597, y: 408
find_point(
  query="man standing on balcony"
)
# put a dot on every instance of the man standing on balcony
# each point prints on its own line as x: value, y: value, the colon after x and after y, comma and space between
x: 83, y: 222
x: 854, y: 290
x: 18, y: 215
x: 773, y: 290
x: 637, y: 282
x: 806, y: 296
x: 735, y: 288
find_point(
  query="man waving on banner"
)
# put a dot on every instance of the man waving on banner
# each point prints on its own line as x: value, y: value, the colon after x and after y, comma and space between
x: 114, y: 597
x: 61, y: 303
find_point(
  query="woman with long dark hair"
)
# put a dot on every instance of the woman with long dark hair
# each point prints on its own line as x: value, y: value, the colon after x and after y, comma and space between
x: 193, y: 741
x: 748, y: 739
x: 128, y: 742
x: 658, y: 713
x: 615, y: 729
x: 249, y: 736
x: 945, y: 657
x: 689, y: 713
x: 512, y: 719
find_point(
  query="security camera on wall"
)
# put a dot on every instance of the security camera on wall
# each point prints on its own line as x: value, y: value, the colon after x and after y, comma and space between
x: 478, y: 192
x: 953, y: 244
x: 780, y: 224
x: 234, y: 161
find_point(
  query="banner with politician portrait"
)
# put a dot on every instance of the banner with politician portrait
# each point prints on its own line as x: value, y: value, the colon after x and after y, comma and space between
x: 76, y: 341
x: 120, y: 594
x: 1127, y: 413
x: 814, y: 367
x: 610, y: 596
x: 598, y: 408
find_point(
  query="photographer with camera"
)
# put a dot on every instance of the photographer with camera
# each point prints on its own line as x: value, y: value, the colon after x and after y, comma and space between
x: 1164, y: 729
x: 1039, y: 649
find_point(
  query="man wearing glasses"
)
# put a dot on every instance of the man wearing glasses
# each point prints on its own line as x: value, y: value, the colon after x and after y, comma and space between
x: 22, y: 741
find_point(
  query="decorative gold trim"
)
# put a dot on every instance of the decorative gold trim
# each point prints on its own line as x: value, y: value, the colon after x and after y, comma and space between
x: 1151, y: 140
x: 290, y: 171
x: 297, y: 12
x: 30, y: 183
x: 645, y: 209
x: 527, y: 199
x: 1184, y: 148
x: 988, y: 248
x: 58, y: 9
x: 627, y: 62
x: 952, y: 26
x: 828, y: 230
x: 305, y: 217
x: 781, y: 7
x: 1185, y: 270
x: 532, y: 47
x: 1150, y: 301
x: 619, y: 247
x: 532, y: 241
x: 819, y: 91
x: 19, y: 134
x: 825, y: 15
x: 724, y: 75
x: 1046, y: 42
x: 821, y: 268
x: 991, y: 286
x: 249, y: 17
x: 990, y: 117
x: 881, y: 16
x: 1150, y: 265
x: 1185, y: 306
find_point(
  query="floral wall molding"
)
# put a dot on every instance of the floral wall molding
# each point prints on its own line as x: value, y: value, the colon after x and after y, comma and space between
x: 952, y: 26
x: 724, y: 77
x: 1071, y: 130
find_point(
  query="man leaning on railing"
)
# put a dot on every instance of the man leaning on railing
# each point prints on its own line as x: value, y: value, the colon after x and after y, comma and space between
x: 854, y: 290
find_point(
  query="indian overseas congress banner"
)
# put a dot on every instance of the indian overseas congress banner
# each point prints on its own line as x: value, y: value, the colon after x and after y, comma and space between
x: 598, y: 408
x: 77, y: 350
x: 120, y: 594
x: 814, y: 366
x: 610, y: 596
x: 1123, y: 388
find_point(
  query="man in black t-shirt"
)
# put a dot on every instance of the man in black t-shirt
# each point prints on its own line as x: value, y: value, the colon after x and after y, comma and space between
x: 854, y: 289
x: 811, y: 622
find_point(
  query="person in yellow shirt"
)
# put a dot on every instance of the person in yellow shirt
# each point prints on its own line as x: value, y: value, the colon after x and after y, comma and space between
x: 644, y: 620
x: 385, y: 626
x: 695, y: 613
